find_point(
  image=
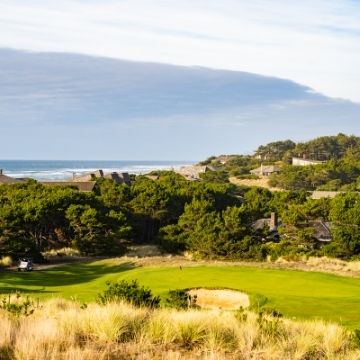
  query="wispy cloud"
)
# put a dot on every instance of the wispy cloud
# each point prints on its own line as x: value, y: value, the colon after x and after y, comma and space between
x: 314, y: 42
x: 74, y: 106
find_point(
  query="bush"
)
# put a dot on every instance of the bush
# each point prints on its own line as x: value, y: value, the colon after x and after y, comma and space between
x: 257, y: 301
x: 356, y: 337
x: 17, y: 305
x: 130, y: 292
x: 180, y: 299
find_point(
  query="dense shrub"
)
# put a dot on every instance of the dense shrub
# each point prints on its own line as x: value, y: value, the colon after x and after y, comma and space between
x: 180, y: 299
x: 130, y: 292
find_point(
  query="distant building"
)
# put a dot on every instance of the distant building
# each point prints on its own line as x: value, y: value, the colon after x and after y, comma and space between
x: 321, y: 229
x: 272, y: 223
x: 4, y: 179
x: 119, y: 178
x: 193, y: 172
x: 89, y: 177
x: 316, y: 195
x: 263, y: 156
x: 265, y: 170
x: 305, y: 162
x: 223, y: 159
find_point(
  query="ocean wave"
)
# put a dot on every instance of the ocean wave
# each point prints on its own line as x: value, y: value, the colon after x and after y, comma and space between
x: 42, y: 172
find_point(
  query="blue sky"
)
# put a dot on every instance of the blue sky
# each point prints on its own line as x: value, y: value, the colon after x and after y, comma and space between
x: 65, y: 94
x: 66, y: 106
x: 313, y: 42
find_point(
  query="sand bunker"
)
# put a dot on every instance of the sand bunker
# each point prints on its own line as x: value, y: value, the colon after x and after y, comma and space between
x: 220, y: 299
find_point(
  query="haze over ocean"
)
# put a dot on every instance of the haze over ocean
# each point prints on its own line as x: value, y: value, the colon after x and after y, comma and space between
x: 64, y: 169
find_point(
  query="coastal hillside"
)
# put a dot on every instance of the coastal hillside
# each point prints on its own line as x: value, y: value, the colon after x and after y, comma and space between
x: 198, y: 211
x: 326, y: 163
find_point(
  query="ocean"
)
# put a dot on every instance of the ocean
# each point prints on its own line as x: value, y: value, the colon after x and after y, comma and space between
x: 65, y: 169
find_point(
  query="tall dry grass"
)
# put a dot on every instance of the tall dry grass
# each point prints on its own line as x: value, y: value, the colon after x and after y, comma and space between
x: 323, y: 264
x: 61, y: 255
x: 6, y: 261
x: 333, y: 264
x: 61, y: 329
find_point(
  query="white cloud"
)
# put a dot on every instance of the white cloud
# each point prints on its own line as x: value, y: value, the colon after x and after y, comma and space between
x: 314, y: 42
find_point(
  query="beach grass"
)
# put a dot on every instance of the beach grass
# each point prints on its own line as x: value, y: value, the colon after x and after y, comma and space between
x: 65, y: 330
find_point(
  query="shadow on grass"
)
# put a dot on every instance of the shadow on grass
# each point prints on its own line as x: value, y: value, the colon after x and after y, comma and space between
x: 12, y: 290
x: 59, y: 276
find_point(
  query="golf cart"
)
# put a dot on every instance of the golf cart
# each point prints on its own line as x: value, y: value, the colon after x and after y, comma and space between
x: 25, y: 264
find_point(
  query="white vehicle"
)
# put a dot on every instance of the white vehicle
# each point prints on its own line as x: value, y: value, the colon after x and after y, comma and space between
x: 25, y: 265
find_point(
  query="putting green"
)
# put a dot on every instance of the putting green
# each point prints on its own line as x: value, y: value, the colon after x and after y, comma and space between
x: 294, y: 293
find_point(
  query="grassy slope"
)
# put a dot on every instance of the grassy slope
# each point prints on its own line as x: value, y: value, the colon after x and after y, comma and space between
x: 294, y: 293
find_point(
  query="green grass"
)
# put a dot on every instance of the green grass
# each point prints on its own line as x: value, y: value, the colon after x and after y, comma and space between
x: 293, y: 293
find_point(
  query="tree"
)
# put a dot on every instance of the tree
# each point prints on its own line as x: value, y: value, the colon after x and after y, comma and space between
x: 345, y: 215
x: 93, y: 233
x: 257, y: 202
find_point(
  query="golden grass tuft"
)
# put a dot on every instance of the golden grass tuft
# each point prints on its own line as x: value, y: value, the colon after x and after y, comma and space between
x: 62, y: 329
x: 65, y: 252
x: 326, y: 263
x: 6, y: 261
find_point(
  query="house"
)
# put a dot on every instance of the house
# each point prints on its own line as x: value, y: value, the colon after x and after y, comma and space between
x: 321, y: 229
x: 272, y: 223
x: 305, y: 162
x: 265, y: 170
x: 316, y: 195
x: 89, y: 177
x: 4, y: 179
x: 119, y: 178
x: 86, y: 186
x: 192, y: 172
x: 223, y: 159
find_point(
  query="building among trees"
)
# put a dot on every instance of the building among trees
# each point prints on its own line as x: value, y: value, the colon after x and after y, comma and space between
x: 265, y: 170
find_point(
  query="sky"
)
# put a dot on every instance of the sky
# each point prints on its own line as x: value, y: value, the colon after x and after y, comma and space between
x: 201, y: 77
x: 70, y: 106
x: 312, y: 42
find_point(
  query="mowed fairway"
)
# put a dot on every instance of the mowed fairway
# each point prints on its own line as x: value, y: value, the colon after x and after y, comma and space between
x: 293, y: 293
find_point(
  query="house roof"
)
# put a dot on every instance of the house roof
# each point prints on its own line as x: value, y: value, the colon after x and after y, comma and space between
x: 80, y: 185
x: 192, y: 172
x: 322, y: 230
x: 125, y: 177
x: 260, y: 224
x: 324, y: 194
x: 119, y: 178
x: 266, y: 169
x: 4, y: 179
x: 308, y: 161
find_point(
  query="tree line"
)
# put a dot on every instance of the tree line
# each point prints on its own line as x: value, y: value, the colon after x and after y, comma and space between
x: 209, y: 219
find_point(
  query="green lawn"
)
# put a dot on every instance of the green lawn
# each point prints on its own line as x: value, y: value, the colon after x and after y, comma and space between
x: 294, y: 293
